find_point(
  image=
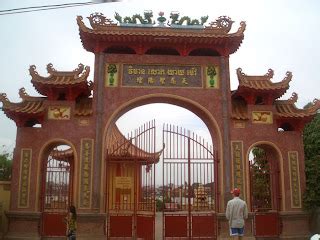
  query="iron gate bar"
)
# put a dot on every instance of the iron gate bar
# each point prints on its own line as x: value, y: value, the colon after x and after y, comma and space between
x: 188, y: 172
x: 137, y: 153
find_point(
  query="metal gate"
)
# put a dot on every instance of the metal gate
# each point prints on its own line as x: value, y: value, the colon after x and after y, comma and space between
x: 131, y: 183
x: 264, y: 195
x: 56, y: 192
x: 189, y: 186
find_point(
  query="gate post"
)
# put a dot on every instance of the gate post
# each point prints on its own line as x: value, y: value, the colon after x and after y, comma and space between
x: 226, y: 131
x: 99, y: 57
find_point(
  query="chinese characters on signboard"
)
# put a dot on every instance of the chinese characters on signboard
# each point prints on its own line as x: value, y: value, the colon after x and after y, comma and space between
x: 237, y: 164
x: 162, y: 75
x: 24, y: 177
x: 86, y: 172
x: 294, y: 179
x: 154, y: 75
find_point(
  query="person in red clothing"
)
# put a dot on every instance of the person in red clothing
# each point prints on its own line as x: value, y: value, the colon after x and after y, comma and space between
x: 236, y: 213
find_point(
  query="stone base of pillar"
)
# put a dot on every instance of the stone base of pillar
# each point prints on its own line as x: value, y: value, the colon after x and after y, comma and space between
x: 23, y: 225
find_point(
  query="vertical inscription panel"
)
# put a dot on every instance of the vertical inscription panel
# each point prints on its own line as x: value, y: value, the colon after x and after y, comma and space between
x: 24, y: 184
x: 237, y: 164
x: 294, y: 179
x: 86, y: 159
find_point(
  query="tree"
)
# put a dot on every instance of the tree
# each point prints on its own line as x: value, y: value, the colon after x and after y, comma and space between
x: 5, y: 165
x: 260, y: 177
x: 311, y: 138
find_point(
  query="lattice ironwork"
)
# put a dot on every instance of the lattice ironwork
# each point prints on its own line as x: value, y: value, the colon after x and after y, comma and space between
x: 189, y: 183
x: 131, y: 181
x: 57, y: 182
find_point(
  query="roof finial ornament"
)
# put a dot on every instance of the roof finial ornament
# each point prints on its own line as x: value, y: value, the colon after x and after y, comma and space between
x: 294, y: 98
x: 4, y: 99
x: 161, y: 19
x: 22, y: 93
x: 270, y: 73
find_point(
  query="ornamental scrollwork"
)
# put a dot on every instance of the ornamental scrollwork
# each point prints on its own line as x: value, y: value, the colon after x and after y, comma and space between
x: 22, y: 93
x: 32, y: 71
x: 270, y: 73
x: 223, y: 23
x: 294, y: 98
x: 50, y: 68
x: 288, y: 76
x: 98, y: 20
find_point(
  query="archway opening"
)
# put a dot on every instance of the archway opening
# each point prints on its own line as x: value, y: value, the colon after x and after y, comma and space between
x: 264, y: 178
x: 58, y: 162
x: 182, y: 179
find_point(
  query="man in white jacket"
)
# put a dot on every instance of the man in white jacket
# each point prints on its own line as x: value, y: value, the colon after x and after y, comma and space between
x: 236, y: 213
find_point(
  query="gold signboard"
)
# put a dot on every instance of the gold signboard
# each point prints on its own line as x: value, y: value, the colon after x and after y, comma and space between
x: 25, y: 165
x: 86, y: 172
x: 237, y: 164
x: 59, y: 113
x: 294, y: 179
x: 147, y: 75
x: 264, y: 117
x: 123, y: 182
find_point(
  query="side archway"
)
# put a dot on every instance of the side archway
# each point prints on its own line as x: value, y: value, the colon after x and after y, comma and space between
x: 265, y: 173
x: 57, y: 160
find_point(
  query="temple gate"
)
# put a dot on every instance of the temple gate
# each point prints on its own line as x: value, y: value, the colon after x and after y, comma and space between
x: 69, y: 150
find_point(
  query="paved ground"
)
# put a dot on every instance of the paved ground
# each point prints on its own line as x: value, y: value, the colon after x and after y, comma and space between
x: 159, y: 227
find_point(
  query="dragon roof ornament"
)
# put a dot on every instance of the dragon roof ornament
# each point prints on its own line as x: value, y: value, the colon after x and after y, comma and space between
x: 221, y: 25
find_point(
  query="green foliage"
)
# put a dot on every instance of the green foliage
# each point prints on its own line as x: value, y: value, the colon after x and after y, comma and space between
x: 311, y: 138
x: 112, y: 68
x: 5, y: 166
x: 211, y: 71
x: 260, y: 170
x: 159, y: 205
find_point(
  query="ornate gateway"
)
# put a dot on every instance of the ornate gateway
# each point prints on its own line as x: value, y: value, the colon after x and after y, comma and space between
x: 126, y: 187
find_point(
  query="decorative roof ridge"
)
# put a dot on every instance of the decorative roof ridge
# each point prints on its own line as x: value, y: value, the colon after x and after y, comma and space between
x: 5, y: 101
x: 26, y: 97
x: 312, y: 109
x: 27, y: 102
x: 291, y: 101
x: 99, y: 24
x: 290, y: 104
x: 79, y: 74
x: 246, y: 79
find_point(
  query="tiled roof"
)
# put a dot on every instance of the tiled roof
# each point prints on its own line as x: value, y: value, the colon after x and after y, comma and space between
x: 60, y: 78
x: 263, y: 82
x: 287, y: 108
x: 83, y: 107
x: 28, y: 105
x: 105, y: 30
x: 120, y: 147
x: 239, y: 110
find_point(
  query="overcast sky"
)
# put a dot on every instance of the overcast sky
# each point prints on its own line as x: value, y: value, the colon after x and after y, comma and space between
x: 282, y: 35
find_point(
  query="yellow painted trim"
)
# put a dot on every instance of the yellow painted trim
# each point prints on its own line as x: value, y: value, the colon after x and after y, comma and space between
x: 118, y: 112
x: 91, y: 174
x: 283, y: 194
x: 290, y: 175
x: 243, y: 169
x: 29, y: 176
x: 75, y: 168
